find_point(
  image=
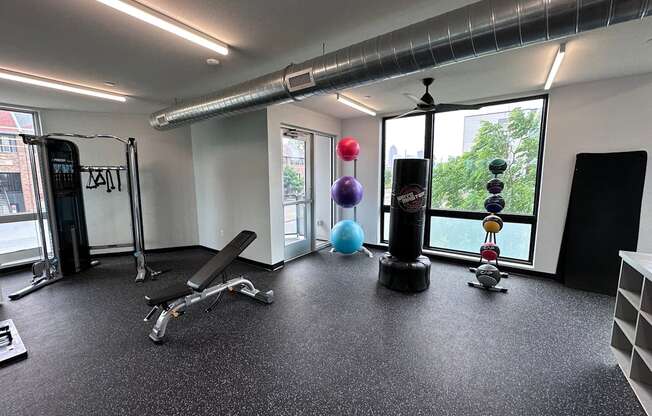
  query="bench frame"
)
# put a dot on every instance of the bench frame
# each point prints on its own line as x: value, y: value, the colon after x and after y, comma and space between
x: 176, y: 299
x: 177, y: 307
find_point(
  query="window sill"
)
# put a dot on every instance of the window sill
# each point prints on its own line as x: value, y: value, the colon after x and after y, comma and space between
x: 468, y: 257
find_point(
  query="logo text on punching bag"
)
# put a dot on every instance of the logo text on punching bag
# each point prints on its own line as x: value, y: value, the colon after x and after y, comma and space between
x: 412, y: 198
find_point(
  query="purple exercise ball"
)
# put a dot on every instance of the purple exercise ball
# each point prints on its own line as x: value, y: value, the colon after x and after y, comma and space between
x: 346, y: 192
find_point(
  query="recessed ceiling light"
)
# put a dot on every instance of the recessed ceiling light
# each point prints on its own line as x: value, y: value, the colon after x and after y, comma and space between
x: 57, y: 85
x: 155, y: 18
x: 212, y: 61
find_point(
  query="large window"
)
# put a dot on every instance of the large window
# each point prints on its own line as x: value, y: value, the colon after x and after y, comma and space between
x: 460, y: 145
x: 403, y: 139
x: 19, y: 241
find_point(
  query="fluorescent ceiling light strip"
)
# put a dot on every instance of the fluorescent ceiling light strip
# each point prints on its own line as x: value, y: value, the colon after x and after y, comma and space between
x: 43, y: 82
x: 555, y: 66
x: 354, y: 104
x: 147, y: 15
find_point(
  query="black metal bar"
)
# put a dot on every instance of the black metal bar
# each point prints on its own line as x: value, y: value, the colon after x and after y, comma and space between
x: 479, y: 215
x: 382, y: 183
x: 537, y: 182
x: 428, y: 146
x: 88, y: 168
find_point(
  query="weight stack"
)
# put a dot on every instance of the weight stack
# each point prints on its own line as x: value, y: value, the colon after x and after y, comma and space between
x: 403, y: 268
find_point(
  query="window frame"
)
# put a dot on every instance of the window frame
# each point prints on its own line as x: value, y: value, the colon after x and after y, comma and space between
x: 7, y: 142
x: 427, y: 153
x: 530, y: 219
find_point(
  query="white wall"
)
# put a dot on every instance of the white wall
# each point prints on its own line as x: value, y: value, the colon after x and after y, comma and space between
x: 290, y: 115
x: 231, y: 178
x: 166, y: 177
x: 238, y: 176
x: 603, y: 116
x: 367, y: 131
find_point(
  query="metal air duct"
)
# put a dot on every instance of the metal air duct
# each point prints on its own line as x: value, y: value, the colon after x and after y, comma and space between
x: 482, y: 28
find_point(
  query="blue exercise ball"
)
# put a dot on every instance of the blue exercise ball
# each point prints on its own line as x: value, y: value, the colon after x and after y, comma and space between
x: 347, y: 192
x: 347, y: 237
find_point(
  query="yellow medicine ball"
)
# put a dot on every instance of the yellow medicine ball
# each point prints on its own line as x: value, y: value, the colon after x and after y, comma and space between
x: 492, y: 224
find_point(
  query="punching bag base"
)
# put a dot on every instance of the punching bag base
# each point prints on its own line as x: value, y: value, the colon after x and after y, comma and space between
x: 404, y: 276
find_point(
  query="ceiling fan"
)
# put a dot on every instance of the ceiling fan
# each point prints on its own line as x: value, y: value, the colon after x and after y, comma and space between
x: 426, y: 103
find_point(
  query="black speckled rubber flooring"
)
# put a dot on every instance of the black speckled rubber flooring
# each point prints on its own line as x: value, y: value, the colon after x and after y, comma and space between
x: 333, y: 343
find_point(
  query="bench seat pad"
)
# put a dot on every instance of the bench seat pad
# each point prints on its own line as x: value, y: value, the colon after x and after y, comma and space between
x: 177, y: 290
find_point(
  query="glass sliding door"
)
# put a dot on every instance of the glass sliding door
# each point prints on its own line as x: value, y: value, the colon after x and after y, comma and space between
x: 308, y: 171
x: 297, y: 192
x: 323, y: 174
x: 19, y: 240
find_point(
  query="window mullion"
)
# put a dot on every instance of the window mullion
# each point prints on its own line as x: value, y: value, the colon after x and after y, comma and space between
x: 427, y: 147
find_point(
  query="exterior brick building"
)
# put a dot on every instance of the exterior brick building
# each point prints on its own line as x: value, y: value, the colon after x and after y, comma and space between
x: 16, y: 194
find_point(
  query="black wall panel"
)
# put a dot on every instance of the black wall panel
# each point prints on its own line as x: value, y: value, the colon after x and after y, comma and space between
x: 603, y: 217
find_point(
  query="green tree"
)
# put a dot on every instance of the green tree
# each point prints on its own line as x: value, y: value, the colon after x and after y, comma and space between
x: 292, y: 181
x: 387, y: 180
x: 460, y: 182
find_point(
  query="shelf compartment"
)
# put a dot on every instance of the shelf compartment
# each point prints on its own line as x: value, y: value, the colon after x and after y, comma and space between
x: 630, y: 279
x: 634, y: 298
x: 625, y: 316
x: 628, y: 329
x: 645, y: 355
x: 639, y: 370
x: 646, y: 298
x: 623, y: 359
x: 622, y: 348
x: 644, y: 333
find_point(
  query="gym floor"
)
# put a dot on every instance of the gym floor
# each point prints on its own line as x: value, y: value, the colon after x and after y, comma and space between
x: 333, y: 342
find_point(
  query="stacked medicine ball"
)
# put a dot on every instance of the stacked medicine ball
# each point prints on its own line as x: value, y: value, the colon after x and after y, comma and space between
x: 347, y: 236
x: 487, y: 272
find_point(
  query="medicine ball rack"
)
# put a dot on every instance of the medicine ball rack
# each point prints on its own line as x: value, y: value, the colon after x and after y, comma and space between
x: 362, y: 249
x: 48, y: 270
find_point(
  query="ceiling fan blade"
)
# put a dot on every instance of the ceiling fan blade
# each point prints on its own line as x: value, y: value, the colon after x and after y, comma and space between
x: 453, y: 107
x: 416, y: 100
x: 416, y: 110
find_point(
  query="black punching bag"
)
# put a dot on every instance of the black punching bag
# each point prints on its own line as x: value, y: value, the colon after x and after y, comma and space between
x: 404, y: 268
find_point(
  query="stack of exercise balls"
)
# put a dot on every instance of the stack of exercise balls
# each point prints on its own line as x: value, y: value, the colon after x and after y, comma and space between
x: 347, y: 235
x: 487, y: 272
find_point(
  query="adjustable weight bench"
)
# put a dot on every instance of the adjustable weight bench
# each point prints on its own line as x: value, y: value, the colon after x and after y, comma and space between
x: 174, y: 299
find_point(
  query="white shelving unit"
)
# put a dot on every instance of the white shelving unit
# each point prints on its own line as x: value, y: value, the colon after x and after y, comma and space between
x: 631, y: 336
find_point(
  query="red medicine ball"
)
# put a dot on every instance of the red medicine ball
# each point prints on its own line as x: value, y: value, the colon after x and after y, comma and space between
x: 489, y: 251
x: 348, y: 149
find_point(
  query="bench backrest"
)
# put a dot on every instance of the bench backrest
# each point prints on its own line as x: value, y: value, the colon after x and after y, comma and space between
x: 215, y: 266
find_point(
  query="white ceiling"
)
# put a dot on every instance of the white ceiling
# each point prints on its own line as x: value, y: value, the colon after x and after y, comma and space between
x: 617, y: 51
x: 85, y: 42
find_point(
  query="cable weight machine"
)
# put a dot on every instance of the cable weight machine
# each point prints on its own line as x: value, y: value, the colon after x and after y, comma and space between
x: 62, y: 207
